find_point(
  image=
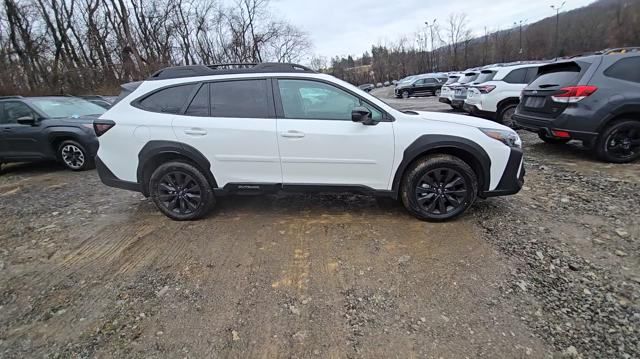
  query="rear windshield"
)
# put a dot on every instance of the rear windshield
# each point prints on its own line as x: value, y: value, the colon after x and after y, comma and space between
x: 452, y: 79
x: 469, y: 77
x: 485, y: 75
x: 558, y: 75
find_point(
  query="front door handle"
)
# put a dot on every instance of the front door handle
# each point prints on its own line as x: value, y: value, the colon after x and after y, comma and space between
x: 292, y: 134
x: 195, y: 132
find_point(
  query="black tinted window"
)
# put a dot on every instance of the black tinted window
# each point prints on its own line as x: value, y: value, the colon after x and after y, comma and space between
x: 169, y: 100
x: 625, y: 69
x: 199, y: 106
x: 14, y: 110
x: 532, y: 72
x: 245, y: 98
x: 430, y: 81
x: 516, y: 76
x: 557, y: 75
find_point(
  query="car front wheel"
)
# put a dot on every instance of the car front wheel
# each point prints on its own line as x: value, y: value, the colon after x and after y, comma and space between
x: 181, y: 191
x: 439, y: 187
x: 405, y: 94
x: 74, y: 156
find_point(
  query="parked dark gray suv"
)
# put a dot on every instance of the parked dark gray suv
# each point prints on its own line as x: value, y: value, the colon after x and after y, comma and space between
x: 48, y: 128
x: 594, y: 99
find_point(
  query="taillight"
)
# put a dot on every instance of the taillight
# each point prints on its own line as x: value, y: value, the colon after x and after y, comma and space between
x: 485, y: 88
x: 573, y: 94
x: 102, y: 126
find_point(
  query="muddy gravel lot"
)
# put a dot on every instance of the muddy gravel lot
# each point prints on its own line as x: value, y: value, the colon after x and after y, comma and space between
x: 553, y: 272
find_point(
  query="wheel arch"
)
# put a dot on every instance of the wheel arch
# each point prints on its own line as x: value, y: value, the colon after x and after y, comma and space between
x: 154, y: 153
x: 629, y: 111
x: 505, y: 102
x: 468, y: 151
x: 56, y: 138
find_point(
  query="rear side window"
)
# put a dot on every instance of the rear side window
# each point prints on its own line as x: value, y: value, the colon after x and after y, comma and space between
x: 516, y: 76
x: 485, y: 75
x: 558, y: 75
x: 169, y: 100
x: 627, y: 69
x: 244, y: 98
x: 199, y: 106
x: 532, y: 72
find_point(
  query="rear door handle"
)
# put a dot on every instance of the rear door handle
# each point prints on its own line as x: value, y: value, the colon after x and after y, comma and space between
x: 195, y: 132
x: 292, y: 134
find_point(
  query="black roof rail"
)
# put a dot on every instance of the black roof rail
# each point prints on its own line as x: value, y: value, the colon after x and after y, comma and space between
x: 621, y: 50
x: 10, y: 97
x: 225, y: 69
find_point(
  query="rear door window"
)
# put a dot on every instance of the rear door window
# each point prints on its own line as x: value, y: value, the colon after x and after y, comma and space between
x: 627, y: 69
x: 240, y: 98
x: 168, y: 100
x: 199, y: 106
x: 516, y: 76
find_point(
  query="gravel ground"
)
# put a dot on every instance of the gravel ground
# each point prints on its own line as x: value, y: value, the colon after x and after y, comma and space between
x: 90, y: 271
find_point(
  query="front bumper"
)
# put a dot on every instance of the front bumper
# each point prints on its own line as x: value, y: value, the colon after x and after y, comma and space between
x: 512, y: 178
x: 545, y: 125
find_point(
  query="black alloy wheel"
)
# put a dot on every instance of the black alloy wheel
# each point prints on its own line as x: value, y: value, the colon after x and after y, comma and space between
x: 178, y: 192
x: 621, y: 142
x: 181, y: 191
x: 441, y: 191
x: 439, y: 187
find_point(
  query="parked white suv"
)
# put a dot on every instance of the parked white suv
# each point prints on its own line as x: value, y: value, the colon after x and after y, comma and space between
x: 190, y: 134
x: 496, y: 91
x: 446, y: 92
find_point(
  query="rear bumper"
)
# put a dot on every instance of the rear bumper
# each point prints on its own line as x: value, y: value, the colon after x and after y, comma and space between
x: 474, y: 110
x: 512, y: 178
x: 544, y: 125
x: 108, y: 178
x: 455, y: 103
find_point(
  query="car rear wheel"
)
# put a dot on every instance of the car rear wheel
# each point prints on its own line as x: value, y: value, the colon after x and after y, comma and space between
x: 437, y: 93
x: 74, y: 156
x: 619, y: 142
x: 439, y: 187
x: 405, y: 94
x: 552, y: 140
x: 505, y: 115
x: 181, y: 191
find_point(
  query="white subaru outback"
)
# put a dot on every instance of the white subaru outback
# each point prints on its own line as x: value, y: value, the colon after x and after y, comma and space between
x: 192, y: 133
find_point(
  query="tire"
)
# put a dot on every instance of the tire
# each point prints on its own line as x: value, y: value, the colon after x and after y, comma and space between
x: 437, y: 93
x: 74, y: 156
x: 181, y: 191
x: 438, y: 188
x: 405, y: 94
x: 552, y: 140
x: 619, y: 142
x: 505, y: 115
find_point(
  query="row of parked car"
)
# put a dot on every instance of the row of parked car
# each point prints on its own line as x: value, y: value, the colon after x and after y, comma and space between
x: 594, y: 99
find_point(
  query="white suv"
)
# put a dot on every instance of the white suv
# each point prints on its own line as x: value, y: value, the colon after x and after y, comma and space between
x: 190, y: 134
x: 496, y: 91
x: 446, y: 92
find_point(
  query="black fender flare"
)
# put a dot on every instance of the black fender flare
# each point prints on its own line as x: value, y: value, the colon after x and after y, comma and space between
x: 433, y: 143
x: 621, y: 111
x: 153, y: 149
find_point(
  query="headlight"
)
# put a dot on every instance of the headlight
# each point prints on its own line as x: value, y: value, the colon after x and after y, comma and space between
x: 509, y: 138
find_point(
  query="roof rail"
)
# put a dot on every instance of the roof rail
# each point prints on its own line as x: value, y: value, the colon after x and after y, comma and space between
x: 225, y: 69
x: 621, y: 50
x: 9, y: 97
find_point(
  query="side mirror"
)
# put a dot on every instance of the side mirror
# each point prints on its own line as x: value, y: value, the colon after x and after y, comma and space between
x: 363, y: 115
x: 26, y: 120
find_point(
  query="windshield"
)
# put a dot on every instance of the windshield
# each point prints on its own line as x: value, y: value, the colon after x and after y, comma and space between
x: 485, y: 76
x: 67, y: 107
x: 469, y: 78
x: 452, y: 79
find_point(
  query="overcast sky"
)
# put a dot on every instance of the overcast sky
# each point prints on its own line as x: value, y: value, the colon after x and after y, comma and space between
x: 350, y: 27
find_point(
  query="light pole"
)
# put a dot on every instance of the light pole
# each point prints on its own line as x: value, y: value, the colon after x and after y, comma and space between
x: 431, y: 54
x: 557, y: 8
x: 519, y: 24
